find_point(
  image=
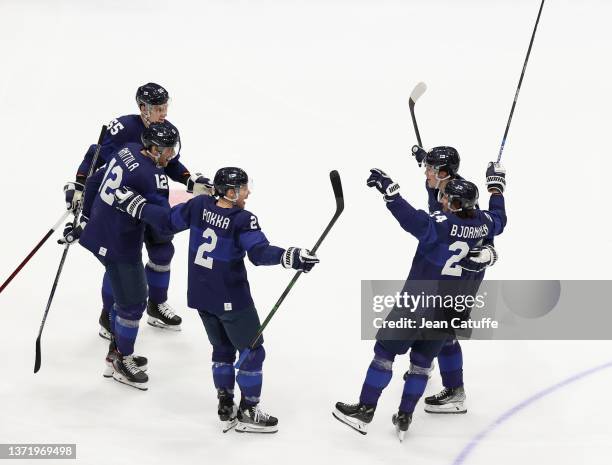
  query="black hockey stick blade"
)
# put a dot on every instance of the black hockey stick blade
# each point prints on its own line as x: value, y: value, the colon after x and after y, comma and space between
x: 334, y: 177
x: 416, y: 94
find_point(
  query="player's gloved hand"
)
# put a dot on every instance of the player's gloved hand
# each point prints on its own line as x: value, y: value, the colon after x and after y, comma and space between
x: 479, y: 258
x: 129, y: 201
x: 299, y: 259
x: 71, y: 234
x: 419, y: 153
x: 384, y: 184
x: 496, y: 177
x: 73, y: 192
x: 197, y: 184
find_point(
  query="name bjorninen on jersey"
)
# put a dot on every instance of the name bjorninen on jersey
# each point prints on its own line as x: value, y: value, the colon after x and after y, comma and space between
x: 469, y: 232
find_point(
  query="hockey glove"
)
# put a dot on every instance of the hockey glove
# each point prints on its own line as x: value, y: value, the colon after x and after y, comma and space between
x: 496, y: 177
x: 384, y: 184
x: 479, y: 258
x: 73, y: 192
x: 299, y: 259
x: 197, y: 184
x: 70, y: 234
x: 130, y: 202
x: 418, y: 153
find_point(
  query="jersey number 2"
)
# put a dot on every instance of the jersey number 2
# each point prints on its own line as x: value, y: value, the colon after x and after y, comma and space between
x: 200, y: 259
x: 451, y: 268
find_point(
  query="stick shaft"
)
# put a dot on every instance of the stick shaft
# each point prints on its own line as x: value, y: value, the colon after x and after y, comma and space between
x: 518, y: 88
x: 35, y: 249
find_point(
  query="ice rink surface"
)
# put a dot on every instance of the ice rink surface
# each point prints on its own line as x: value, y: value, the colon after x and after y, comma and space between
x: 289, y: 90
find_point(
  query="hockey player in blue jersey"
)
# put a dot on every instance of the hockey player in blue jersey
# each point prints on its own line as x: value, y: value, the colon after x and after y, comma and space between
x: 222, y: 232
x: 152, y: 100
x: 116, y: 240
x: 441, y: 165
x: 436, y: 259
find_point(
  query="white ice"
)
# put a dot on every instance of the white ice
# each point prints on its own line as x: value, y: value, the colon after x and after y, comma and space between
x: 290, y: 90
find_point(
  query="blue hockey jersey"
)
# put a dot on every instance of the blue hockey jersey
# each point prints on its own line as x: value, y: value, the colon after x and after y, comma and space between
x: 110, y: 233
x: 218, y: 242
x: 445, y: 238
x: 127, y: 130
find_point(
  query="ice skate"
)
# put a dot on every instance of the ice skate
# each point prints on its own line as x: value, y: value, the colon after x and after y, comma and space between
x: 125, y: 370
x: 402, y: 421
x: 449, y: 400
x: 227, y: 410
x: 162, y: 316
x: 254, y: 420
x: 105, y: 329
x: 357, y: 416
x: 140, y: 361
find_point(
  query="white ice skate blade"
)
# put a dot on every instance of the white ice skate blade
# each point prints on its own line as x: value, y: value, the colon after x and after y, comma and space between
x: 229, y: 424
x: 400, y: 434
x: 160, y: 324
x: 104, y: 334
x: 121, y: 379
x: 249, y: 428
x: 357, y: 425
x: 451, y: 407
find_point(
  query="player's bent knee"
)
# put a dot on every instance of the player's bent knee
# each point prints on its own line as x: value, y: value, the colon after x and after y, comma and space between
x: 131, y: 312
x: 420, y: 362
x: 223, y: 354
x: 160, y: 255
x: 254, y: 360
x: 381, y: 352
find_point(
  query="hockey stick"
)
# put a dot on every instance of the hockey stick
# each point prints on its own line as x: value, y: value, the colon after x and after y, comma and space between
x: 337, y: 187
x: 35, y: 249
x: 65, y: 253
x: 417, y: 92
x: 518, y: 88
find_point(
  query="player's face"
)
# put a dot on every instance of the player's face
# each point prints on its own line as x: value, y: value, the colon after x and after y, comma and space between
x: 165, y: 155
x: 434, y: 176
x: 154, y: 113
x: 242, y: 196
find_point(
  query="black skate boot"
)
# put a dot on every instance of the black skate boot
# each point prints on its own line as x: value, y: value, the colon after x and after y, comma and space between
x: 402, y: 421
x: 254, y: 420
x: 227, y: 409
x: 357, y: 416
x: 105, y: 329
x: 125, y: 370
x: 449, y: 400
x: 162, y: 316
x: 140, y: 361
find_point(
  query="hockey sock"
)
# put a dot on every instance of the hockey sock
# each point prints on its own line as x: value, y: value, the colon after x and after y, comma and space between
x: 224, y: 376
x: 415, y: 383
x: 107, y: 293
x: 158, y: 279
x: 450, y: 360
x: 250, y: 377
x: 378, y: 376
x: 126, y: 327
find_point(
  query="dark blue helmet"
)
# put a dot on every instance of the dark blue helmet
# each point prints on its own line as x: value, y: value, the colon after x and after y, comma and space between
x: 462, y: 195
x: 151, y: 94
x: 161, y: 135
x: 443, y: 158
x: 229, y: 178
